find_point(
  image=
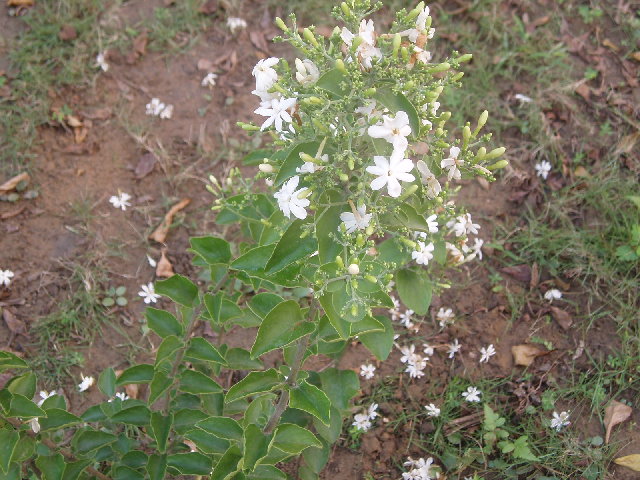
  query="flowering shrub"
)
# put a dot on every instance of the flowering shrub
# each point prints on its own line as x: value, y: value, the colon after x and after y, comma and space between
x: 359, y: 201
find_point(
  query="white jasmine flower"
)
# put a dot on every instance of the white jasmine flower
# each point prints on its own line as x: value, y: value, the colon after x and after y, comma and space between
x: 445, y: 317
x: 456, y: 254
x: 476, y: 250
x: 415, y: 369
x: 560, y: 420
x: 423, y: 254
x: 421, y: 26
x: 522, y: 98
x: 423, y: 56
x: 306, y: 72
x: 432, y: 410
x: 209, y: 80
x: 276, y: 110
x: 5, y: 277
x: 390, y: 172
x: 155, y: 107
x: 265, y: 96
x: 452, y: 164
x: 289, y: 200
x: 265, y: 75
x: 464, y: 225
x: 310, y: 167
x: 368, y: 109
x: 353, y: 269
x: 101, y: 61
x: 367, y: 50
x: 408, y: 354
x: 85, y: 384
x: 148, y: 293
x: 356, y: 221
x: 542, y: 169
x: 428, y: 349
x: 432, y: 222
x: 367, y: 371
x: 361, y: 422
x: 472, y: 395
x: 44, y: 395
x: 120, y: 201
x: 395, y: 311
x: 121, y: 395
x: 35, y: 425
x: 487, y: 353
x: 405, y: 319
x: 394, y: 130
x: 429, y: 180
x: 167, y: 112
x: 152, y: 262
x: 550, y: 295
x: 372, y: 411
x: 454, y: 348
x: 236, y: 23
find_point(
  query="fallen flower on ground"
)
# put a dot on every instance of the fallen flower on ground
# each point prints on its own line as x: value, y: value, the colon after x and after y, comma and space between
x: 553, y: 294
x: 209, y: 80
x: 5, y: 277
x: 120, y: 201
x: 542, y: 169
x: 454, y: 348
x: 432, y: 410
x: 559, y: 420
x: 487, y: 353
x: 367, y: 371
x: 86, y: 383
x: 148, y: 293
x: 472, y: 395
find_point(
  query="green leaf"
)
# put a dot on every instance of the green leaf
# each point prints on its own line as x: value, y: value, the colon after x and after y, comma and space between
x: 138, y: 415
x: 54, y: 401
x: 327, y: 221
x: 379, y: 343
x: 93, y: 414
x: 160, y: 428
x: 169, y: 346
x: 332, y: 81
x: 142, y: 373
x: 256, y: 446
x: 89, y: 440
x: 213, y: 250
x: 267, y: 472
x: 23, y: 385
x: 294, y: 439
x: 240, y: 359
x: 293, y: 160
x: 57, y: 418
x: 25, y: 449
x: 396, y: 102
x: 255, y: 157
x: 291, y: 247
x: 523, y: 451
x: 123, y: 472
x: 179, y: 289
x: 201, y: 349
x: 254, y: 259
x: 207, y: 442
x: 159, y: 385
x: 340, y: 386
x: 262, y: 303
x: 163, y: 323
x: 186, y: 418
x: 312, y: 400
x: 8, y: 441
x: 255, y: 382
x: 135, y: 458
x: 72, y: 470
x: 329, y: 433
x: 414, y: 290
x: 223, y: 427
x: 342, y: 327
x: 196, y: 382
x: 227, y: 464
x: 107, y: 382
x: 157, y: 466
x: 21, y: 406
x: 52, y: 467
x: 283, y: 325
x: 192, y: 463
x: 316, y: 458
x: 9, y: 360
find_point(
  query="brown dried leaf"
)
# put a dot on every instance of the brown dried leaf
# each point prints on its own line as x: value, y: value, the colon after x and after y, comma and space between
x: 13, y: 182
x: 140, y: 43
x: 209, y: 7
x: 205, y: 65
x: 627, y: 143
x: 160, y: 233
x: 584, y: 91
x: 614, y: 414
x: 146, y: 164
x: 98, y: 114
x: 538, y: 22
x: 80, y: 134
x: 16, y: 326
x: 164, y: 268
x: 630, y: 461
x: 73, y: 121
x: 132, y: 390
x: 67, y: 33
x: 20, y: 3
x: 521, y: 273
x: 609, y: 44
x: 535, y: 276
x: 525, y: 354
x: 563, y: 318
x: 258, y: 40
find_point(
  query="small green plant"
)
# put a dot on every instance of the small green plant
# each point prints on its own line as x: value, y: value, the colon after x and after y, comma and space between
x: 115, y: 296
x: 589, y: 14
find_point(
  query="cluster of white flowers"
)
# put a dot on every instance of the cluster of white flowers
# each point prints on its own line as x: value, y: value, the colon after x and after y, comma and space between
x: 416, y: 363
x: 86, y: 383
x: 420, y: 469
x: 463, y: 226
x: 363, y: 421
x: 148, y: 293
x: 156, y: 108
x: 5, y: 277
x: 120, y: 201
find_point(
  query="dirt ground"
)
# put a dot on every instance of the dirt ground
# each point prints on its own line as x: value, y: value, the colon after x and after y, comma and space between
x: 41, y: 238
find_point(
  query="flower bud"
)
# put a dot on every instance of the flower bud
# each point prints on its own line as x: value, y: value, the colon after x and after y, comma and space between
x: 410, y: 84
x: 396, y: 44
x: 265, y: 222
x: 415, y: 12
x: 351, y: 163
x: 345, y: 9
x: 281, y: 25
x: 480, y: 155
x: 359, y: 241
x: 369, y: 230
x: 405, y: 54
x: 498, y: 165
x: 369, y: 92
x: 457, y: 77
x: 340, y: 66
x: 353, y: 269
x: 340, y: 262
x: 371, y: 278
x: 312, y: 100
x: 304, y: 193
x: 344, y: 177
x: 354, y: 310
x: 444, y: 116
x: 408, y: 243
x: 408, y: 192
x: 466, y: 135
x: 495, y: 153
x: 310, y: 37
x: 265, y: 168
x: 248, y: 126
x: 441, y: 67
x: 465, y: 58
x: 482, y: 120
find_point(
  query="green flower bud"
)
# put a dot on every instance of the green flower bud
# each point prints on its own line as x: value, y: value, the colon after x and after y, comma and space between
x: 369, y: 92
x: 480, y: 155
x: 407, y: 242
x: 495, y: 153
x: 465, y: 58
x: 265, y: 222
x: 336, y: 31
x: 457, y: 77
x: 441, y: 67
x: 408, y: 192
x: 345, y: 9
x: 354, y: 283
x: 344, y: 177
x: 313, y: 101
x: 482, y: 120
x: 444, y: 116
x: 415, y: 12
x: 340, y: 66
x: 369, y: 230
x: 265, y: 167
x: 396, y: 44
x: 340, y: 262
x: 410, y: 84
x: 310, y: 37
x: 466, y: 135
x: 247, y: 126
x: 371, y: 278
x: 498, y: 165
x: 359, y: 241
x: 354, y: 310
x: 388, y: 277
x: 304, y: 193
x: 351, y: 163
x: 281, y: 25
x: 405, y: 54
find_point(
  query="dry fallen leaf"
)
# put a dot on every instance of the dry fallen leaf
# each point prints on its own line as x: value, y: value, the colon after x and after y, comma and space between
x: 584, y: 91
x: 13, y: 182
x: 146, y: 164
x: 160, y: 233
x: 563, y: 318
x: 98, y: 113
x: 524, y: 354
x: 16, y: 326
x: 614, y: 414
x: 131, y: 390
x: 209, y: 7
x: 521, y: 272
x: 627, y: 143
x: 630, y: 461
x: 73, y: 121
x: 20, y: 3
x: 67, y: 33
x: 164, y: 268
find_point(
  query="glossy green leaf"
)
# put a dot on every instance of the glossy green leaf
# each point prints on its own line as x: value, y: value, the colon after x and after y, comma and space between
x: 227, y: 464
x: 72, y: 470
x: 256, y: 446
x: 24, y: 449
x: 137, y: 415
x: 379, y: 343
x: 163, y: 322
x: 186, y: 418
x: 293, y: 161
x: 240, y: 359
x: 342, y: 327
x: 52, y: 467
x: 157, y: 466
x: 8, y: 441
x: 255, y: 382
x: 340, y: 386
x: 23, y: 385
x: 207, y: 442
x: 91, y: 440
x: 221, y: 309
x: 223, y: 427
x: 168, y: 349
x: 107, y: 382
x: 283, y: 325
x: 291, y: 247
x: 212, y: 249
x: 123, y: 472
x: 197, y: 383
x: 160, y: 428
x: 333, y: 81
x: 262, y: 303
x: 316, y: 458
x: 398, y: 102
x: 135, y: 458
x: 201, y: 349
x: 330, y: 433
x: 414, y: 290
x: 9, y: 360
x: 159, y: 385
x: 294, y: 439
x: 93, y: 414
x: 21, y: 406
x: 260, y: 410
x: 57, y: 419
x: 327, y: 220
x: 312, y: 400
x: 179, y: 289
x: 142, y: 373
x: 193, y: 463
x: 254, y: 259
x: 267, y: 472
